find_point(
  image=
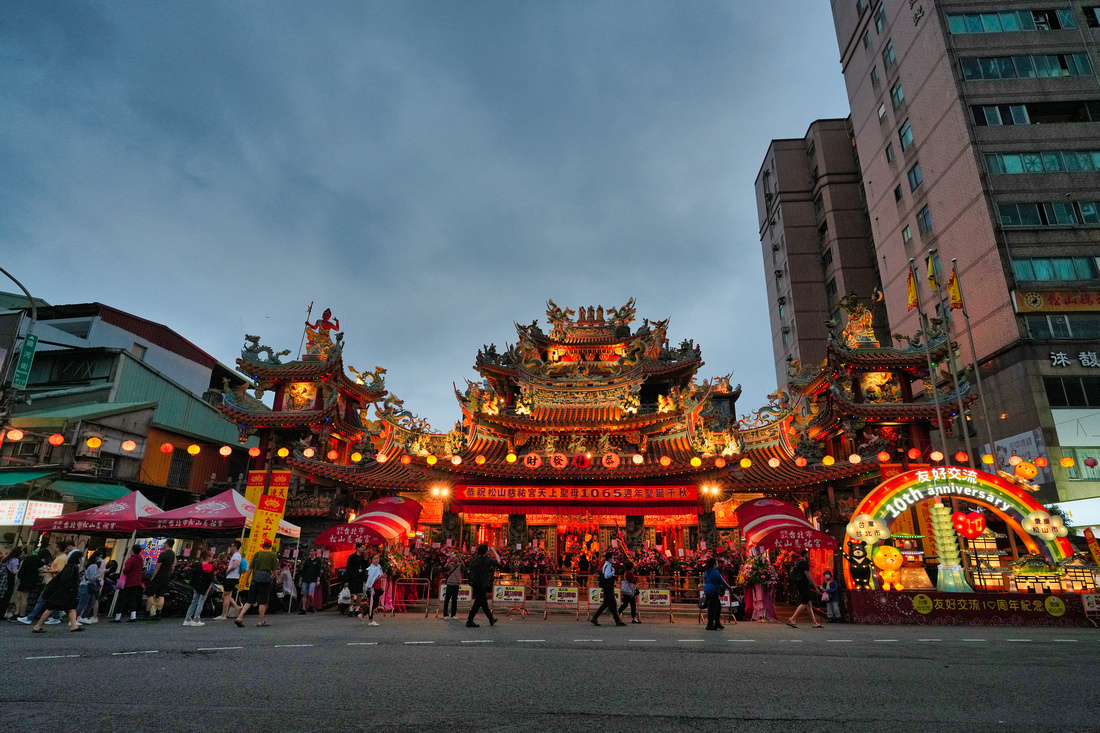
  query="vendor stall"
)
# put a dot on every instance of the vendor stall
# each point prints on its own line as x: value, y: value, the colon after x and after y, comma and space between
x: 226, y: 513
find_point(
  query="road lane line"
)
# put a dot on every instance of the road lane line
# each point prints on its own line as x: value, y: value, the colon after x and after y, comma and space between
x: 123, y: 654
x: 57, y: 656
x: 689, y: 640
x: 1073, y: 640
x: 929, y: 639
x: 419, y: 642
x: 289, y: 646
x: 477, y: 641
x: 531, y: 641
x: 740, y: 639
x: 588, y: 640
x: 1017, y: 639
x: 796, y: 641
x: 885, y: 640
x: 973, y: 639
x: 362, y: 643
x: 217, y: 648
x: 839, y: 641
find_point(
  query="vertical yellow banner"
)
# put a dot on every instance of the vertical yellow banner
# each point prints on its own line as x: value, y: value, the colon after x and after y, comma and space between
x: 269, y: 512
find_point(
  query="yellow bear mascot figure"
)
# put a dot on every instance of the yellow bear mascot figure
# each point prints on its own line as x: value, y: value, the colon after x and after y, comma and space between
x: 888, y: 560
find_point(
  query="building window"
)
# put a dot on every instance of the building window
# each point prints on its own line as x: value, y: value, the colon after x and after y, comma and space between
x: 819, y: 204
x: 874, y: 77
x: 1050, y: 214
x: 888, y: 56
x: 897, y: 96
x: 1037, y: 113
x: 179, y: 471
x: 1011, y: 21
x: 1072, y: 391
x: 867, y: 38
x: 782, y: 310
x: 827, y: 258
x: 1092, y: 16
x: 906, y: 234
x: 882, y: 113
x: 860, y: 7
x: 924, y: 220
x: 1045, y: 66
x: 786, y: 338
x: 1047, y: 161
x: 880, y: 17
x: 1055, y: 268
x: 830, y: 290
x: 889, y: 152
x: 915, y: 177
x: 897, y: 193
x: 905, y: 135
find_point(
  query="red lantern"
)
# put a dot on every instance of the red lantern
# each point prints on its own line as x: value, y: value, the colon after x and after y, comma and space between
x: 665, y: 460
x: 719, y: 462
x: 56, y: 439
x: 581, y: 460
x: 800, y: 462
x: 936, y: 456
x: 914, y: 454
x: 610, y: 460
x: 15, y: 435
x: 129, y: 446
x: 332, y: 455
x: 532, y: 460
x: 961, y: 457
x: 406, y: 459
x: 883, y: 457
x: 225, y: 450
x: 254, y: 451
x: 1042, y: 462
x: 167, y: 447
x: 480, y: 460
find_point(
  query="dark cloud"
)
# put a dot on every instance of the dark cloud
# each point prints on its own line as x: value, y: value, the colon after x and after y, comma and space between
x: 431, y: 171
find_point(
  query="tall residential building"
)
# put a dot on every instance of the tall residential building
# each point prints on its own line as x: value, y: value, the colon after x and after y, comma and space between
x: 815, y: 238
x: 978, y: 130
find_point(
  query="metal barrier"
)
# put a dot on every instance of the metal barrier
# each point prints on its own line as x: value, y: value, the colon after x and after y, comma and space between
x: 407, y: 595
x: 655, y: 599
x: 512, y: 593
x: 565, y: 597
x: 465, y: 597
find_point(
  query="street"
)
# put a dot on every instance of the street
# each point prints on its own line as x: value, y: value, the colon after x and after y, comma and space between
x: 326, y: 672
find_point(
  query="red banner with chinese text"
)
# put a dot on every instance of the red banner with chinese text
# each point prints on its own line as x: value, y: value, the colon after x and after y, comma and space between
x: 470, y: 494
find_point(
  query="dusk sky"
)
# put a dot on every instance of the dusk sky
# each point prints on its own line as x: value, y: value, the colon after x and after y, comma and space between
x: 430, y: 171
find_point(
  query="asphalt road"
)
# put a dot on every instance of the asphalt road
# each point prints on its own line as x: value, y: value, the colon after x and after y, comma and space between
x: 329, y: 673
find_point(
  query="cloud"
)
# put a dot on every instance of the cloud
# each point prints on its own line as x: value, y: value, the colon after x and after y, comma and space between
x: 432, y: 172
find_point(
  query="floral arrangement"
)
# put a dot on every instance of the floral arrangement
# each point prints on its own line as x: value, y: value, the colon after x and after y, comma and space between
x: 399, y: 565
x: 648, y: 561
x: 536, y: 560
x: 758, y: 571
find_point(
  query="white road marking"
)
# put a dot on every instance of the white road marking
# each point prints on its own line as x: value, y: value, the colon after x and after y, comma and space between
x: 477, y: 641
x: 740, y: 639
x: 641, y: 640
x: 217, y: 648
x: 1017, y: 639
x: 796, y: 641
x: 57, y: 656
x: 419, y: 642
x: 973, y: 639
x: 929, y: 639
x: 528, y: 641
x: 588, y: 640
x: 362, y: 643
x: 288, y: 646
x: 1073, y: 640
x: 122, y: 654
x: 839, y: 641
x: 885, y: 640
x: 698, y: 640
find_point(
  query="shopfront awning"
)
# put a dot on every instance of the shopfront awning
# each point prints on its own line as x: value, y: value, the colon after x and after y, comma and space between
x: 87, y: 492
x: 11, y: 478
x: 771, y: 523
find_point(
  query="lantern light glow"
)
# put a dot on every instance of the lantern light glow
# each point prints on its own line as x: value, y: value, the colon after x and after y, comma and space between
x: 15, y: 435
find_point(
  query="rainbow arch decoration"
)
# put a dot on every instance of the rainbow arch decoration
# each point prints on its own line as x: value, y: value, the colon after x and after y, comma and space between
x: 893, y: 497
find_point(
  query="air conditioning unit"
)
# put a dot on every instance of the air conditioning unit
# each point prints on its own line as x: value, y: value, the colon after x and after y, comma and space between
x: 786, y: 329
x: 778, y: 274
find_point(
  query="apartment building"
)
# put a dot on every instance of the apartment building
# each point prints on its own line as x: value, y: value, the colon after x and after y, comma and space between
x: 815, y: 238
x: 977, y: 126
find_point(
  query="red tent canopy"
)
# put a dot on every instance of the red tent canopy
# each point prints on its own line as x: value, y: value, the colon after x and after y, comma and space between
x: 117, y: 519
x: 771, y: 523
x: 225, y: 513
x: 382, y: 521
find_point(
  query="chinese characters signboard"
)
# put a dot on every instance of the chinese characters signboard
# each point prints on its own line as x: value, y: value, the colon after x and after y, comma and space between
x: 578, y: 493
x: 23, y: 513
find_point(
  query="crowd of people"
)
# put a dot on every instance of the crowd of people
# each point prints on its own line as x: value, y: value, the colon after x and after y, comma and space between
x: 70, y: 585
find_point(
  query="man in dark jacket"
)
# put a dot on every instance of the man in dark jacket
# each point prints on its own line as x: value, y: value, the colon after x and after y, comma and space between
x: 355, y: 572
x: 481, y: 580
x: 310, y: 573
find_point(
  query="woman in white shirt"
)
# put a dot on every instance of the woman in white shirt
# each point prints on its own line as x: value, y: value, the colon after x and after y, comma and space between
x: 375, y: 584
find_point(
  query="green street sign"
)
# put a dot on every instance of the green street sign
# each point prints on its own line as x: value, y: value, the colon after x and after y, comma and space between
x: 26, y: 358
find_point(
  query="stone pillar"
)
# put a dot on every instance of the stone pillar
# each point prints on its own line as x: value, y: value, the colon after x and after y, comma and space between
x: 708, y: 530
x: 451, y: 526
x: 634, y: 531
x: 517, y: 530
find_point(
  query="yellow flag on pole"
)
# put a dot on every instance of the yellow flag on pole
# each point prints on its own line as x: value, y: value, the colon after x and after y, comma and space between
x: 911, y: 289
x: 953, y: 291
x: 931, y: 263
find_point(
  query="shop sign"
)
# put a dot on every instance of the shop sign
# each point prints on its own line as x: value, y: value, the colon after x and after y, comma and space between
x: 993, y: 608
x: 509, y: 593
x: 1058, y: 301
x: 796, y: 539
x: 654, y: 597
x: 961, y: 482
x: 728, y: 602
x: 1091, y: 602
x: 578, y: 493
x: 1094, y: 548
x: 595, y: 595
x: 465, y: 593
x: 560, y: 594
x: 982, y: 603
x: 23, y: 513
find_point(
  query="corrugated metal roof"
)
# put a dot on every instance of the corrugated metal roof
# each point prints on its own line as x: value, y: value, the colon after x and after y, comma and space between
x: 177, y: 409
x: 88, y: 492
x: 59, y: 416
x: 11, y: 478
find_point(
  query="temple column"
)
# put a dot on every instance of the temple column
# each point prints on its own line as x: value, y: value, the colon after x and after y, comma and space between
x: 517, y: 530
x: 634, y: 531
x: 451, y: 527
x: 708, y: 529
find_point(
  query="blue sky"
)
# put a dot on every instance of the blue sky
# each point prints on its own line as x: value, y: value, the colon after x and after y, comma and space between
x: 431, y: 171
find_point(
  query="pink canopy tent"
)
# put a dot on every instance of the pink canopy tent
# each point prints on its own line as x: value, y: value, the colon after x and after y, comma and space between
x: 226, y: 513
x: 383, y: 520
x: 771, y: 523
x: 120, y: 518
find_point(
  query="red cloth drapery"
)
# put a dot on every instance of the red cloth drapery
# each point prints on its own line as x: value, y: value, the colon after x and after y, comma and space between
x: 771, y: 523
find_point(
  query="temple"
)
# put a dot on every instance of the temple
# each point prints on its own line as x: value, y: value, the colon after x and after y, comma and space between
x: 594, y: 425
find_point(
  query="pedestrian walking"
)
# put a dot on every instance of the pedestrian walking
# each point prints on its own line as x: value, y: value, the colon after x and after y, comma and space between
x: 714, y: 585
x: 60, y: 594
x: 232, y: 578
x: 481, y: 579
x: 800, y: 575
x: 355, y: 572
x: 583, y: 568
x: 264, y: 565
x: 91, y: 582
x: 830, y: 593
x: 452, y: 570
x: 607, y: 584
x: 343, y: 600
x: 29, y: 580
x: 202, y: 577
x: 162, y: 577
x: 130, y: 586
x: 376, y: 585
x: 64, y: 549
x: 309, y: 573
x: 9, y: 574
x: 629, y: 590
